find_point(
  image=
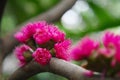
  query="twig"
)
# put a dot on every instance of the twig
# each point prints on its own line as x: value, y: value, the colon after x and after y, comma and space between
x: 56, y: 66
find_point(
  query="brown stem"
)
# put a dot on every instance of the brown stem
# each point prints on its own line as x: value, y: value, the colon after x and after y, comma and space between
x: 56, y: 66
x: 56, y: 12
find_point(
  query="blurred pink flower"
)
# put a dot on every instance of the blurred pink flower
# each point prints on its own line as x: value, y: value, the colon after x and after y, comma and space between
x: 76, y: 54
x: 84, y: 48
x: 19, y: 52
x: 62, y: 49
x: 42, y: 56
x: 112, y: 41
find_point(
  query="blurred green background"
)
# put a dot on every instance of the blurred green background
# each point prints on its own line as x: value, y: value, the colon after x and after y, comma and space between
x: 86, y: 17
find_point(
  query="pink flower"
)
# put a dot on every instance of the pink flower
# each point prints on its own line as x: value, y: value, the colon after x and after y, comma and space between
x: 42, y: 56
x: 42, y: 35
x: 21, y: 37
x: 62, y: 50
x: 56, y: 34
x: 84, y: 49
x: 110, y: 40
x: 47, y: 33
x: 25, y: 33
x: 19, y: 52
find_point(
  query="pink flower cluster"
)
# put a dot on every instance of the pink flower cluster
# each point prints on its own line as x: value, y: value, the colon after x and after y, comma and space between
x: 106, y: 53
x: 41, y: 32
x: 46, y: 37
